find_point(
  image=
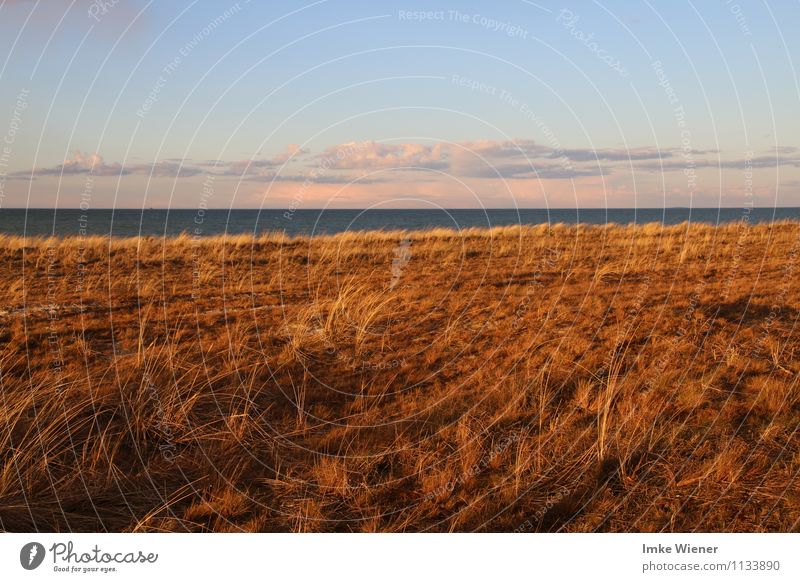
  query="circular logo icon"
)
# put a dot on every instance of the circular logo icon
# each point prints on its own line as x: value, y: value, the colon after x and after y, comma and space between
x: 31, y: 555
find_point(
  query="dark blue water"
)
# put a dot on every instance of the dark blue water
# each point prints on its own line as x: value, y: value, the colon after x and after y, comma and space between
x: 130, y: 222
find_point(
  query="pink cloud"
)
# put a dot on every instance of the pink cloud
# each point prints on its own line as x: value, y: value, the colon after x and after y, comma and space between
x: 373, y: 155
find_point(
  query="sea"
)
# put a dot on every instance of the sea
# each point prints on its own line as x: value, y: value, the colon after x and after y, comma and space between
x: 201, y: 222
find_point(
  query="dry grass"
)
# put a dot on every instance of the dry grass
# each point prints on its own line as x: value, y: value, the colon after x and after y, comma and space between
x: 519, y: 379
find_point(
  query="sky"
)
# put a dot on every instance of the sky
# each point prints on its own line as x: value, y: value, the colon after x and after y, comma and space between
x: 344, y: 104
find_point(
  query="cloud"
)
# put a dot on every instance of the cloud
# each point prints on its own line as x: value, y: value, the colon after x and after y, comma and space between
x: 518, y: 158
x: 256, y: 167
x: 556, y: 172
x: 614, y: 155
x: 476, y: 159
x: 535, y: 170
x: 314, y: 179
x: 370, y: 155
x: 165, y: 169
x: 522, y: 148
x: 94, y: 164
x: 80, y: 163
x: 772, y: 161
x: 522, y: 159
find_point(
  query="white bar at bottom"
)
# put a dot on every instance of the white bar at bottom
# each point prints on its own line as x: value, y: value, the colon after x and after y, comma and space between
x: 401, y: 557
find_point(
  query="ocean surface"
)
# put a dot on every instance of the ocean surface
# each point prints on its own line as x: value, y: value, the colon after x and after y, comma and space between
x: 153, y: 222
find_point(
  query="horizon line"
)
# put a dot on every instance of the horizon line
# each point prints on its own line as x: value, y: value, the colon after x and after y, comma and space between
x: 579, y: 208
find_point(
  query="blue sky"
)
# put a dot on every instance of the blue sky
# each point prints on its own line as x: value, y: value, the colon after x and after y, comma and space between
x: 349, y: 104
